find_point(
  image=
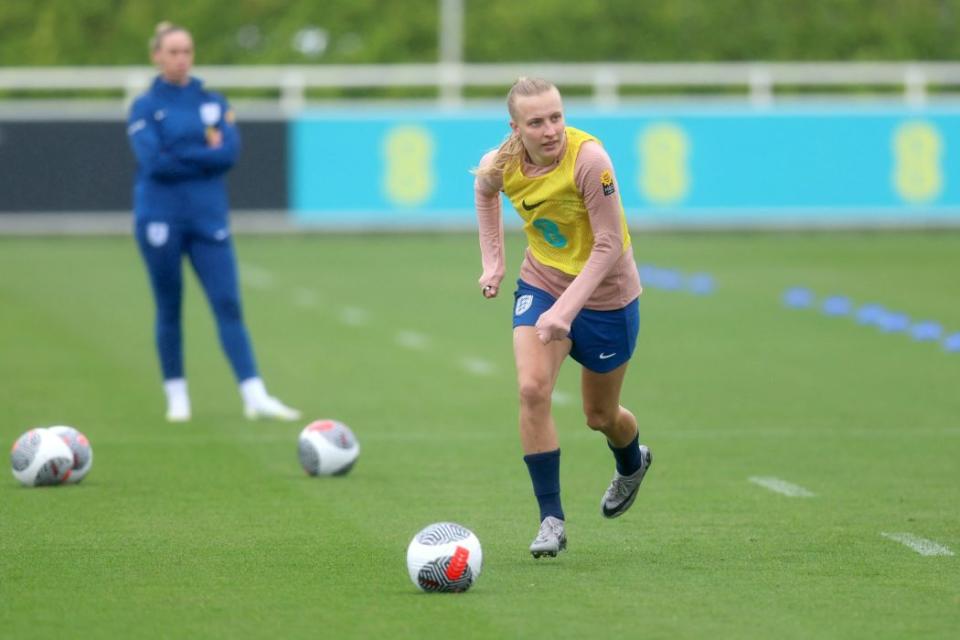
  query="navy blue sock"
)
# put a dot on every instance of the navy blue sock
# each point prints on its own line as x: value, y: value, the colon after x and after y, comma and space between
x: 628, y: 457
x: 544, y: 471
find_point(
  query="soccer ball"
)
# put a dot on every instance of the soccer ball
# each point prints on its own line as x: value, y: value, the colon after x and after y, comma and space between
x: 82, y: 451
x: 40, y: 458
x: 444, y: 557
x: 327, y: 448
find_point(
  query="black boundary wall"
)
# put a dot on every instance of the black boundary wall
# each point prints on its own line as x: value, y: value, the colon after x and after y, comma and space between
x: 51, y: 166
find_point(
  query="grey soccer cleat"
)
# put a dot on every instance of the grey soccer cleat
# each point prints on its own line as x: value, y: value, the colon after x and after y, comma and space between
x: 623, y: 489
x: 550, y: 540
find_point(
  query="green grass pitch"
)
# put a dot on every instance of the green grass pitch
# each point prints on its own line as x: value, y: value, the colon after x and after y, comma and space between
x: 211, y: 530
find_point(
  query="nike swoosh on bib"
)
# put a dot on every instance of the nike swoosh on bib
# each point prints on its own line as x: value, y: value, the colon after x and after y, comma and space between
x: 604, y: 356
x: 531, y: 207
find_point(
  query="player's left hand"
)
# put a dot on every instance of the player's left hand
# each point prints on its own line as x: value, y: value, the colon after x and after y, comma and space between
x: 551, y: 327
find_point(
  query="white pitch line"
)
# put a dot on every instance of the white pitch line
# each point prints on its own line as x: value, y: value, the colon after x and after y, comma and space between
x: 781, y: 486
x: 354, y: 316
x: 256, y: 277
x: 560, y: 398
x: 921, y: 545
x: 477, y: 366
x: 305, y: 298
x: 412, y: 340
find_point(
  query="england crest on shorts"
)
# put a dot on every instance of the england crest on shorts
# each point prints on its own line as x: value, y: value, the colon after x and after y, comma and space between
x: 158, y: 233
x: 524, y: 302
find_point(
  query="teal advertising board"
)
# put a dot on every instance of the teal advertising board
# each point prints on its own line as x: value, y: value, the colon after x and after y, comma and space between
x: 675, y: 165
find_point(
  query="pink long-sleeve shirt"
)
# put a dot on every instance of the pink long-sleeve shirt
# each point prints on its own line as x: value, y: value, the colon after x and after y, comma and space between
x: 609, y: 279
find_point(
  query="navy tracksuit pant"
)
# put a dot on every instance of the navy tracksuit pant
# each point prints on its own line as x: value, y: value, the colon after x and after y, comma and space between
x: 209, y: 248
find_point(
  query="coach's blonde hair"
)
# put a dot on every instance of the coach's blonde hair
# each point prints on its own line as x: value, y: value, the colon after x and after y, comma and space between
x: 161, y: 31
x: 511, y: 149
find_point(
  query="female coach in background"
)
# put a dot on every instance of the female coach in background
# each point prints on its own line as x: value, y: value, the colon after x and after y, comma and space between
x: 185, y: 141
x: 577, y: 292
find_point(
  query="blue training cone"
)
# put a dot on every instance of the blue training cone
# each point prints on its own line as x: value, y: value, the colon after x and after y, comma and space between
x: 893, y: 322
x: 836, y: 306
x: 647, y: 274
x: 700, y: 284
x: 925, y: 331
x: 798, y: 298
x: 670, y: 280
x: 870, y: 314
x: 952, y: 343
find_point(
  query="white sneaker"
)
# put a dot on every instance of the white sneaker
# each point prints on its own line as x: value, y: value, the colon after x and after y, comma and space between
x: 178, y: 400
x: 550, y: 540
x: 270, y: 408
x: 178, y: 409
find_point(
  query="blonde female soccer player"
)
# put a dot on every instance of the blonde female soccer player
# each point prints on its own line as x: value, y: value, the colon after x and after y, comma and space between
x: 576, y: 295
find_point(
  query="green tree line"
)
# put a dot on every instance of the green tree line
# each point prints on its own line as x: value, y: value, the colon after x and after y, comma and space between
x: 108, y: 32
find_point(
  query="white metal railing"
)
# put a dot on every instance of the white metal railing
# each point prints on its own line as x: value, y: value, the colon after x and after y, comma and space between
x: 759, y: 79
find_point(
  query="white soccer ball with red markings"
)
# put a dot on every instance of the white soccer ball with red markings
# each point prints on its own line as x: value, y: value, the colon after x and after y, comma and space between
x: 327, y: 448
x: 82, y: 451
x: 41, y: 458
x: 444, y: 557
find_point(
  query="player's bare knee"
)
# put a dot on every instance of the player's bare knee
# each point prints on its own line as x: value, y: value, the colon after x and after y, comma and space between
x: 599, y: 419
x: 534, y: 392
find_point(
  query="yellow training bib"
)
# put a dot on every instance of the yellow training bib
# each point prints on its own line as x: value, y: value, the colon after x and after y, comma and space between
x: 554, y: 215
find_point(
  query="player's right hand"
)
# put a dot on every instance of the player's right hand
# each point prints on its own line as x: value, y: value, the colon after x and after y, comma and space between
x: 551, y: 326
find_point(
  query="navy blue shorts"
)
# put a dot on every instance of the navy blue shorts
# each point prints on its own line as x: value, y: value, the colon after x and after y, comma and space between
x: 602, y: 340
